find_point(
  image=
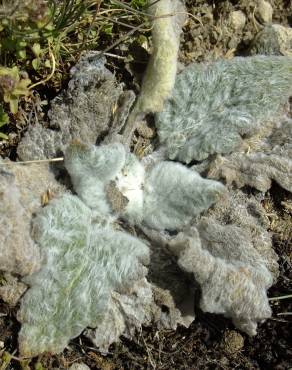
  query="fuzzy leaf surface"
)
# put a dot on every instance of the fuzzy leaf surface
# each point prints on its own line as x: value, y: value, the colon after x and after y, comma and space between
x: 233, y: 276
x: 270, y: 160
x: 174, y: 195
x: 84, y: 263
x: 165, y: 196
x: 214, y: 106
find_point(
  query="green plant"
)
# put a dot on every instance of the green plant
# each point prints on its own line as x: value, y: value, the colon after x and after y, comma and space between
x: 214, y: 106
x: 13, y: 85
x: 5, y: 360
x: 88, y: 264
x: 4, y: 119
x: 44, y: 38
x: 38, y: 23
x: 139, y: 4
x: 92, y: 259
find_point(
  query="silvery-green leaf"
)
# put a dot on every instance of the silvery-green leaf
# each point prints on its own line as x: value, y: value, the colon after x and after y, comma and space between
x: 111, y: 180
x: 270, y: 159
x: 91, y: 168
x: 83, y: 112
x: 174, y: 195
x: 22, y: 189
x: 84, y: 262
x: 214, y: 106
x: 233, y: 276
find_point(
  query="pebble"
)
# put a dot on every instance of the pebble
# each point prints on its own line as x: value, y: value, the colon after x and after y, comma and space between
x: 264, y: 11
x: 79, y: 366
x: 11, y: 290
x: 233, y: 342
x: 274, y: 39
x: 145, y: 131
x: 237, y: 20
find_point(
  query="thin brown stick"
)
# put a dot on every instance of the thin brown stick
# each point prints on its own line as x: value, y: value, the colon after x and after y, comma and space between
x: 50, y: 75
x: 280, y: 297
x: 124, y: 24
x: 121, y: 39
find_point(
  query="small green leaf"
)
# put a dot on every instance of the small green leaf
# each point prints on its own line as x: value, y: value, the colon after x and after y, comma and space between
x: 108, y: 29
x: 3, y: 136
x: 35, y: 63
x: 13, y: 104
x: 4, y: 119
x: 36, y: 49
x: 25, y: 364
x: 93, y: 33
x: 21, y: 54
x: 138, y: 4
x: 13, y: 86
x: 38, y: 366
x: 5, y: 359
x: 21, y: 44
x: 47, y: 63
x: 22, y: 87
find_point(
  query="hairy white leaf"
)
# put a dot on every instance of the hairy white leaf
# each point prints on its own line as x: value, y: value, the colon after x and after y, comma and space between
x: 84, y: 262
x: 214, y: 106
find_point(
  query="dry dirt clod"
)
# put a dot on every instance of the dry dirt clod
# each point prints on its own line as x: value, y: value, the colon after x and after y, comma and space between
x: 11, y: 289
x: 274, y: 39
x: 237, y: 20
x: 233, y: 342
x: 145, y: 131
x: 264, y: 11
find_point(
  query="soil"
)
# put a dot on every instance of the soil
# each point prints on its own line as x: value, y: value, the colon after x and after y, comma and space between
x: 211, y: 342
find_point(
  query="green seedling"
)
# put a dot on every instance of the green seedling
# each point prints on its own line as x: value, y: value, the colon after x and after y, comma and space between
x: 13, y: 86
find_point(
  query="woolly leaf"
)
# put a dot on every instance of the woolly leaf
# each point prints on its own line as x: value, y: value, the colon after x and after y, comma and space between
x: 166, y: 196
x: 91, y: 168
x: 125, y: 315
x: 270, y: 159
x: 18, y: 252
x: 82, y: 112
x: 85, y: 260
x: 213, y: 106
x: 174, y: 195
x: 232, y: 275
x: 11, y: 289
x: 21, y: 190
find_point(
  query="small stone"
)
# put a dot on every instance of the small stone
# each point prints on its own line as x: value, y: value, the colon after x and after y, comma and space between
x: 274, y: 39
x: 11, y: 289
x: 264, y: 11
x: 145, y: 131
x: 237, y: 20
x: 233, y: 342
x: 115, y: 197
x: 79, y: 366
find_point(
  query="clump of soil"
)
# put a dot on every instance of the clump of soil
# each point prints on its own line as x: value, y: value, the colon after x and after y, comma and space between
x: 209, y: 33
